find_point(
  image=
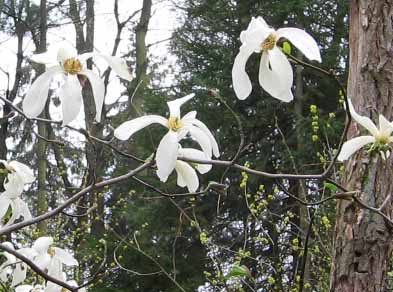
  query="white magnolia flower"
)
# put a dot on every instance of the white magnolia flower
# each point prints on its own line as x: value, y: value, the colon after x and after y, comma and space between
x: 14, y: 266
x: 71, y: 66
x: 381, y: 137
x: 51, y: 258
x: 24, y: 173
x: 186, y: 174
x: 10, y: 198
x: 275, y: 72
x: 178, y: 127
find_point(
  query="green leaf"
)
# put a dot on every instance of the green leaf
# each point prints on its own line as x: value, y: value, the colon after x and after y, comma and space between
x: 238, y: 271
x: 286, y: 47
x: 330, y: 186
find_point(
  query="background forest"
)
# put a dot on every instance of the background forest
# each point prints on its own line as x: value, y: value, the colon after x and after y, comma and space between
x: 244, y: 233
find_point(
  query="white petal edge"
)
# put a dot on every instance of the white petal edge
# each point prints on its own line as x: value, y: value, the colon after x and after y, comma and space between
x: 23, y: 170
x: 98, y: 87
x: 192, y: 153
x: 186, y: 176
x: 166, y: 155
x: 118, y: 65
x: 66, y: 52
x: 202, y: 139
x: 127, y: 129
x: 71, y: 98
x: 353, y: 145
x: 302, y: 40
x: 206, y: 130
x: 240, y: 80
x: 34, y: 102
x: 385, y: 127
x: 24, y: 288
x: 276, y: 75
x: 174, y: 105
x: 65, y: 257
x: 42, y: 244
x: 366, y: 122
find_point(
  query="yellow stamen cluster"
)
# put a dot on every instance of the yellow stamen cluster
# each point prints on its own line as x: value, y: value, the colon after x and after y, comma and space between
x: 382, y: 139
x: 10, y: 169
x: 175, y: 124
x: 51, y: 252
x: 72, y: 66
x: 269, y: 43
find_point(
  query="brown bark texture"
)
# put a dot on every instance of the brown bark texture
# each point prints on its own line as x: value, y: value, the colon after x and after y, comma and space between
x: 363, y: 240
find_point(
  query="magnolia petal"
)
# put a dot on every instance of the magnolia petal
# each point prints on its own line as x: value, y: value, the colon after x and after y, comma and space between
x: 85, y: 56
x: 127, y: 129
x: 202, y: 139
x: 24, y: 210
x: 241, y: 82
x: 302, y: 40
x: 66, y: 52
x: 47, y: 58
x: 98, y: 87
x: 24, y: 288
x: 354, y: 145
x: 71, y: 98
x: 166, y: 155
x: 35, y: 99
x: 4, y: 205
x: 385, y: 127
x: 206, y: 130
x: 19, y: 274
x: 14, y: 186
x: 276, y: 75
x: 118, y: 65
x: 42, y: 244
x: 189, y: 116
x: 186, y: 176
x: 42, y: 260
x: 363, y: 120
x: 23, y: 170
x: 257, y: 31
x: 174, y: 105
x: 65, y: 257
x: 192, y: 153
x: 52, y: 287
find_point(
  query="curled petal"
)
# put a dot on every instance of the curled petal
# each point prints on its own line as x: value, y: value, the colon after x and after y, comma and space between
x: 202, y: 139
x: 197, y: 155
x: 276, y: 75
x: 362, y: 120
x: 98, y: 88
x: 257, y: 31
x: 118, y: 65
x: 4, y: 205
x: 71, y: 99
x: 35, y: 99
x: 65, y: 257
x: 42, y: 244
x: 206, y: 130
x: 385, y: 127
x: 19, y: 274
x: 174, y: 105
x: 23, y: 170
x: 302, y: 40
x: 127, y: 129
x: 166, y: 155
x: 188, y: 117
x: 354, y: 145
x: 241, y: 82
x: 186, y: 176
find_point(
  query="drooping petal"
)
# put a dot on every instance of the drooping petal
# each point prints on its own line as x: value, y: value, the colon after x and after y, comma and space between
x: 385, y: 127
x: 71, y: 98
x: 189, y: 116
x: 127, y: 129
x: 240, y: 80
x: 47, y: 58
x: 206, y: 130
x: 354, y: 145
x: 362, y: 120
x: 35, y: 99
x: 302, y: 40
x: 98, y: 87
x: 19, y: 274
x: 66, y: 52
x: 118, y: 65
x: 4, y: 205
x: 42, y: 260
x: 186, y: 176
x: 166, y: 155
x: 65, y: 257
x: 202, y: 139
x: 24, y: 210
x: 23, y: 170
x: 13, y: 186
x: 174, y: 105
x: 42, y: 244
x: 276, y: 75
x: 197, y: 155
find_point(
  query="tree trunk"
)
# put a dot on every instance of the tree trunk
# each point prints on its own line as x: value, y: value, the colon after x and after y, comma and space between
x: 363, y: 240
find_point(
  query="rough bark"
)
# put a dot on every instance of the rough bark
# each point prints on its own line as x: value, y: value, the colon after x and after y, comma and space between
x: 363, y: 240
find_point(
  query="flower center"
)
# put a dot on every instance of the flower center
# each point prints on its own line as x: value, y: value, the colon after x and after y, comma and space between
x: 72, y: 66
x: 382, y: 139
x: 51, y: 252
x: 175, y: 124
x: 269, y: 43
